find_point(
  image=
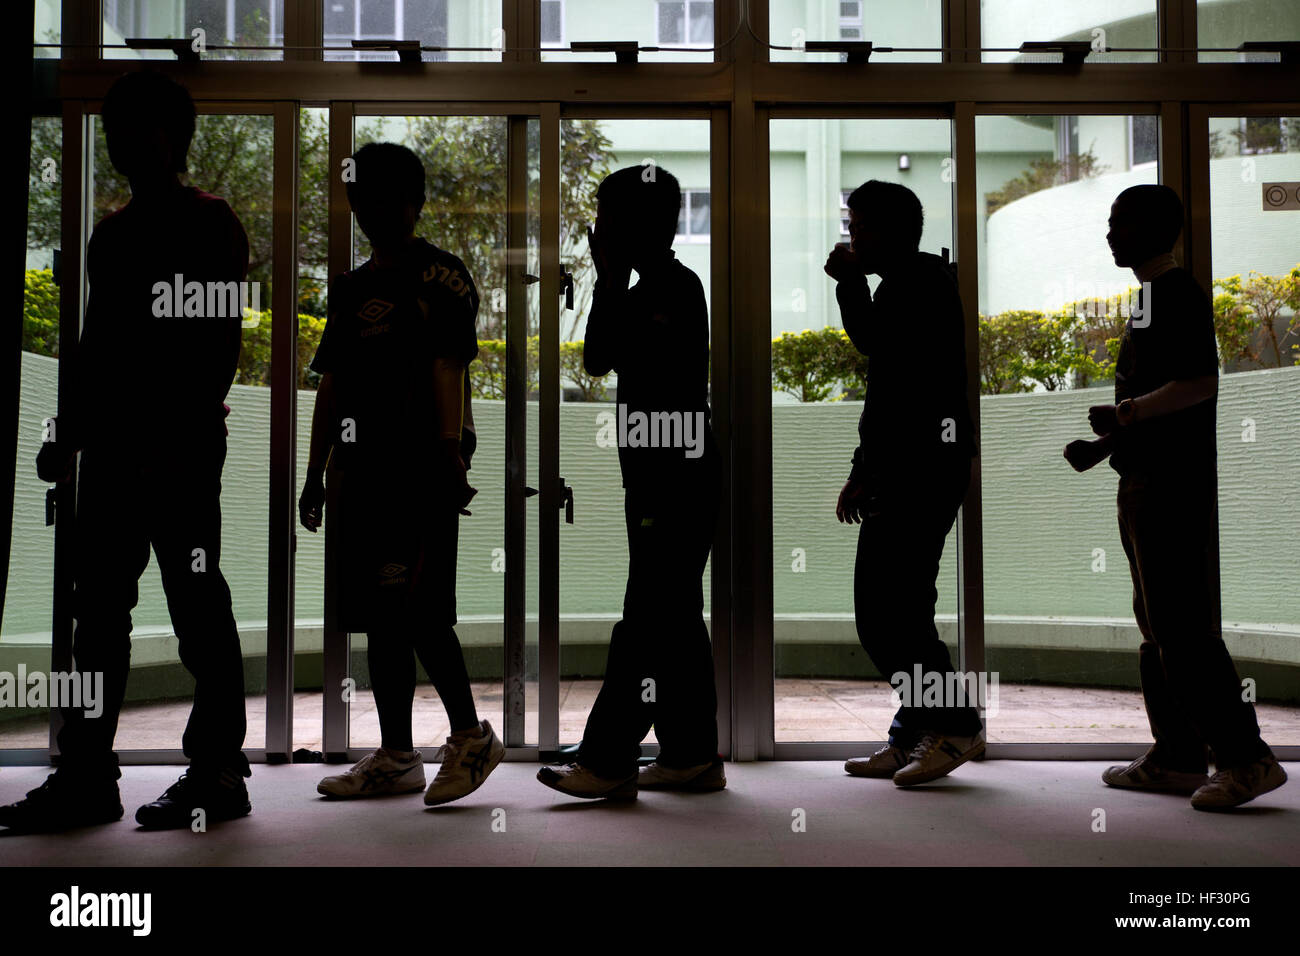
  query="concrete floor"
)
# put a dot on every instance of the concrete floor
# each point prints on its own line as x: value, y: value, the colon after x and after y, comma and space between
x: 1003, y: 813
x: 806, y: 709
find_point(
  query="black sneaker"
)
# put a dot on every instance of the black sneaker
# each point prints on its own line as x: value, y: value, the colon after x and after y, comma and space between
x: 221, y: 796
x: 64, y: 802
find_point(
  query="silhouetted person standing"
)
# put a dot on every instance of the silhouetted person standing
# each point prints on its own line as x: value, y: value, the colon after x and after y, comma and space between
x: 655, y: 335
x: 910, y: 471
x: 392, y: 406
x: 1160, y: 436
x: 147, y: 414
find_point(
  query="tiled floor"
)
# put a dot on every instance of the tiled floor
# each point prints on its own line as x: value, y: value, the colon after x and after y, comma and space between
x: 824, y: 710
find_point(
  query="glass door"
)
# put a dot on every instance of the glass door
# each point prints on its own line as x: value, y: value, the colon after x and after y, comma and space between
x: 482, y: 205
x: 827, y: 692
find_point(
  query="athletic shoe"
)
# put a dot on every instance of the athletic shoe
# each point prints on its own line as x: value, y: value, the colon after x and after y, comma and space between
x: 1145, y: 774
x: 221, y: 796
x: 699, y: 779
x: 938, y: 755
x: 466, y: 762
x: 1232, y: 788
x: 577, y: 781
x: 882, y: 764
x: 63, y: 802
x: 379, y: 774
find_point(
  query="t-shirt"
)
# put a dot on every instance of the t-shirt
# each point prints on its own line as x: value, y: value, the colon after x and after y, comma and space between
x: 157, y: 353
x: 655, y: 336
x: 916, y: 423
x: 1169, y: 337
x: 386, y: 326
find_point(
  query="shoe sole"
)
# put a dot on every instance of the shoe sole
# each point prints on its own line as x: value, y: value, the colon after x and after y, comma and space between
x: 374, y: 793
x: 482, y: 780
x: 686, y: 786
x: 624, y: 791
x: 1180, y: 790
x: 882, y: 774
x: 941, y: 771
x: 239, y: 814
x: 1233, y: 806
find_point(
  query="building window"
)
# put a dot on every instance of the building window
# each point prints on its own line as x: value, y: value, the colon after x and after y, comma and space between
x: 1143, y: 140
x: 685, y: 23
x: 552, y: 23
x: 844, y: 212
x: 693, y: 220
x: 348, y: 20
x: 850, y: 19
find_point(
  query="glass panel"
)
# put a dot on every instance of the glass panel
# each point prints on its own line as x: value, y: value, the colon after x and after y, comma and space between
x: 662, y: 23
x: 593, y: 550
x: 826, y: 688
x: 229, y: 157
x: 465, y: 161
x: 1256, y: 271
x: 1229, y: 23
x: 1105, y: 24
x: 1057, y: 591
x: 28, y: 605
x: 456, y: 23
x: 882, y: 22
x: 223, y: 22
x: 48, y: 27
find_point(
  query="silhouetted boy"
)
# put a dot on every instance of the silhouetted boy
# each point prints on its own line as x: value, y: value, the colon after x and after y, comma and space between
x: 392, y: 406
x: 910, y: 471
x: 147, y: 414
x: 1161, y: 439
x: 655, y: 335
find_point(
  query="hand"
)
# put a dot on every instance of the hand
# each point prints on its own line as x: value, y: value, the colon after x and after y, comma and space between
x: 54, y: 463
x: 852, y: 502
x: 311, y: 503
x: 608, y: 272
x: 842, y: 264
x: 451, y: 483
x: 1084, y: 454
x: 1103, y: 419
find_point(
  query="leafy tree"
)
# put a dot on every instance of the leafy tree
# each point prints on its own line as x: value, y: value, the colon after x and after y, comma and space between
x: 817, y: 365
x: 1044, y: 174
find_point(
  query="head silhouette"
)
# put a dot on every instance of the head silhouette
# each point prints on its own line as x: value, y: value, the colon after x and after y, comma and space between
x: 387, y: 193
x: 885, y: 223
x: 148, y: 123
x: 1145, y: 222
x: 637, y: 209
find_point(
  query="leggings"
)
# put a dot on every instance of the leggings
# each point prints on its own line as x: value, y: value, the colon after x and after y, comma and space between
x: 391, y: 655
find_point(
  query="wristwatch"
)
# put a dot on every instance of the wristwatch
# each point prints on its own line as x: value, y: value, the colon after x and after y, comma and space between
x: 1126, y: 412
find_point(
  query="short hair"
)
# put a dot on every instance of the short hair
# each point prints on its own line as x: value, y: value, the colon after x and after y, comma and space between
x: 1158, y: 209
x: 388, y: 169
x: 894, y: 203
x: 146, y: 98
x: 647, y: 193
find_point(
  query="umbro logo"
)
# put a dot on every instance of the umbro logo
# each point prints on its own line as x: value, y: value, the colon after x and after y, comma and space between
x: 392, y: 570
x: 374, y: 310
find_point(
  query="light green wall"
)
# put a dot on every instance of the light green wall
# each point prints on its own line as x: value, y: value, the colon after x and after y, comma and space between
x: 1042, y: 521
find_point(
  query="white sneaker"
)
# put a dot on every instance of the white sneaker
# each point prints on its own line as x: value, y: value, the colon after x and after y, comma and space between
x: 377, y: 774
x: 1232, y: 788
x: 577, y: 781
x: 938, y: 755
x: 466, y: 762
x: 882, y: 764
x: 702, y: 778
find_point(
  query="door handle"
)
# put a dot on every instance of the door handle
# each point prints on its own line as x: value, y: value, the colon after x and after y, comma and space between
x: 566, y: 498
x: 566, y: 287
